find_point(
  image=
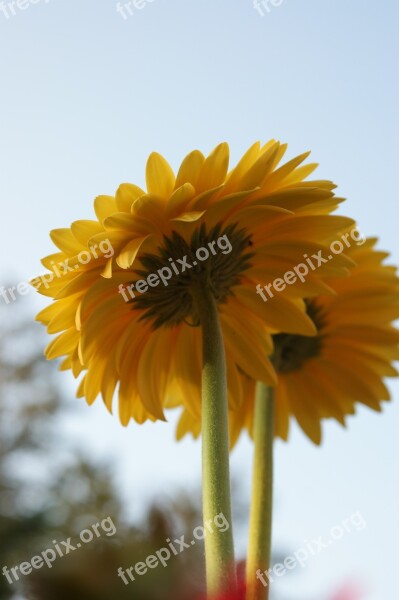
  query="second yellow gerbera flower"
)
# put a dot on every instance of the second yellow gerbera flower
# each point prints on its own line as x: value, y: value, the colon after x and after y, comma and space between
x: 325, y: 376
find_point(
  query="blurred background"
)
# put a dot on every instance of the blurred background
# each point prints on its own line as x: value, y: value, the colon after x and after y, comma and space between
x: 86, y: 95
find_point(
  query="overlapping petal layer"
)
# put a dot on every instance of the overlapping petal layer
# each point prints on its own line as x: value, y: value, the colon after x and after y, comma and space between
x: 115, y: 346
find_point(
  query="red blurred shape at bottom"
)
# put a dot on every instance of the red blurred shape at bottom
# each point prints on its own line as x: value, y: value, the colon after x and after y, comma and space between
x: 229, y: 595
x: 349, y: 592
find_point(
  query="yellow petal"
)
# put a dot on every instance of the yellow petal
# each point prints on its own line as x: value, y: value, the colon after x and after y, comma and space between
x: 190, y: 169
x: 128, y: 254
x: 126, y: 194
x: 242, y: 166
x: 302, y: 406
x: 179, y: 200
x: 250, y: 358
x: 159, y: 176
x: 279, y: 313
x: 83, y: 230
x: 62, y: 344
x: 189, y: 217
x: 146, y: 379
x: 104, y: 207
x: 260, y: 169
x: 214, y: 169
x: 66, y: 241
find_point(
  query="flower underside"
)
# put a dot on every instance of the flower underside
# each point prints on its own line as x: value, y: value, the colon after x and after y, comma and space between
x: 174, y: 303
x: 292, y: 351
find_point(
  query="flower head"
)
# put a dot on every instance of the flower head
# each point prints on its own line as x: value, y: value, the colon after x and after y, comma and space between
x: 326, y: 375
x: 125, y: 301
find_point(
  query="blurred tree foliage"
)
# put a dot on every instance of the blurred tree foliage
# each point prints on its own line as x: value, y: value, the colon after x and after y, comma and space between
x: 48, y: 492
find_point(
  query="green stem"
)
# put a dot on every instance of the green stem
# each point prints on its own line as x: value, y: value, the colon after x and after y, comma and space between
x: 260, y: 527
x: 219, y: 548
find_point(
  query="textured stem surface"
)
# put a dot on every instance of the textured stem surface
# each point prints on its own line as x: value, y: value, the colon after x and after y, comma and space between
x: 219, y: 548
x: 260, y: 527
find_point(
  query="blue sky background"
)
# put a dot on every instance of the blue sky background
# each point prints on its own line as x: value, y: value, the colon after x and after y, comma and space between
x: 86, y: 96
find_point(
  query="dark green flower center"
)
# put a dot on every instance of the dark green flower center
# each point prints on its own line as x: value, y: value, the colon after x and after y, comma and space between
x: 216, y: 258
x: 292, y: 351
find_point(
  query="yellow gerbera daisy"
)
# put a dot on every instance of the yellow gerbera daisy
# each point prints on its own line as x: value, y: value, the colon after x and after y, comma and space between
x: 326, y: 375
x: 125, y: 295
x: 158, y: 296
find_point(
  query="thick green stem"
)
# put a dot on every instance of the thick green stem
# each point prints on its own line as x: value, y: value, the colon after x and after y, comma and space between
x: 260, y: 527
x: 219, y: 548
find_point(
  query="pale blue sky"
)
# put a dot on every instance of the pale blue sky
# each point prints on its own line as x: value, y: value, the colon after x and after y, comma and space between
x: 86, y: 96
